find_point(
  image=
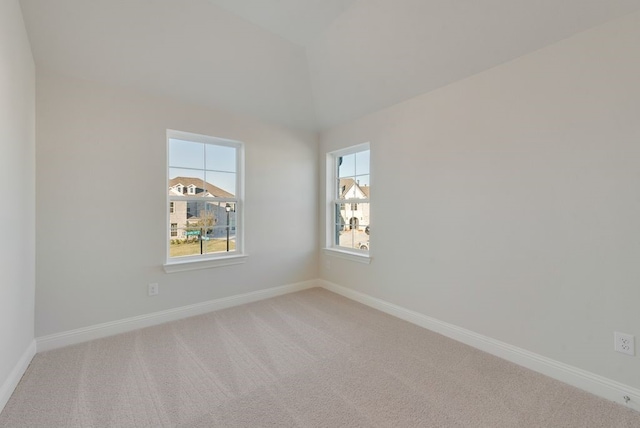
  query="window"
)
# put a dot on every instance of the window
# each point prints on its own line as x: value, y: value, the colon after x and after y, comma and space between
x: 205, y: 221
x: 348, y: 193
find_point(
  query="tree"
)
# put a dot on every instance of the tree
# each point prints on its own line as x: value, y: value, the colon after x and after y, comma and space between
x: 203, y: 223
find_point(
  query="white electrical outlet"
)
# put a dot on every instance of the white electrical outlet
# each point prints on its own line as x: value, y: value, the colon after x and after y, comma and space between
x: 153, y: 289
x: 624, y: 343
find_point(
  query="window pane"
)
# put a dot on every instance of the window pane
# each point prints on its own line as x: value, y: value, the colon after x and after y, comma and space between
x: 221, y: 237
x: 365, y: 189
x: 352, y: 221
x: 353, y: 188
x: 362, y: 180
x: 220, y: 158
x: 221, y: 184
x: 185, y: 243
x: 181, y: 179
x: 186, y: 154
x: 202, y: 228
x: 217, y: 242
x: 347, y: 166
x: 362, y: 163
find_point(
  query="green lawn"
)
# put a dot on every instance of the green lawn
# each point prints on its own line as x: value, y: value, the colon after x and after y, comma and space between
x: 193, y: 248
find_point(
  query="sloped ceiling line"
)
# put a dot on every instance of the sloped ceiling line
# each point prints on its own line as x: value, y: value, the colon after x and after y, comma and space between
x: 308, y: 64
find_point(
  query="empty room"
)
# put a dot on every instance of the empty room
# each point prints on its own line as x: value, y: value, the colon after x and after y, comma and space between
x: 320, y: 213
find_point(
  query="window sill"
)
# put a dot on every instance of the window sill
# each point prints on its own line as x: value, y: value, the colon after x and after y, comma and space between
x: 348, y: 255
x: 204, y: 264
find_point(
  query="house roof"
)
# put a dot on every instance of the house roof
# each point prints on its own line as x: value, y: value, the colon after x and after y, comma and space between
x: 348, y: 183
x: 202, y: 187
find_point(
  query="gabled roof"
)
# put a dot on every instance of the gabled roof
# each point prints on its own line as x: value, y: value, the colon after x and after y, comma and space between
x: 202, y: 187
x: 348, y: 183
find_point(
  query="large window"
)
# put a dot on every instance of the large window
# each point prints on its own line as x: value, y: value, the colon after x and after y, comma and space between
x: 204, y: 197
x: 349, y: 184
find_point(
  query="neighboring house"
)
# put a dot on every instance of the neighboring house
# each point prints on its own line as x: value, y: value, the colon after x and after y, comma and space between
x: 183, y: 214
x: 355, y: 215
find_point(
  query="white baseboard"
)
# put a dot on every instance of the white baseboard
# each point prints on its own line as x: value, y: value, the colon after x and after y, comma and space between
x: 12, y: 381
x: 58, y: 340
x: 587, y: 381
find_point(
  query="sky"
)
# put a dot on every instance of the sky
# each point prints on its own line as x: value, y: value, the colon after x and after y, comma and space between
x: 214, y: 164
x: 356, y: 166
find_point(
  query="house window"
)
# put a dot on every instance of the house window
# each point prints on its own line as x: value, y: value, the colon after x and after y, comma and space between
x: 348, y: 193
x: 208, y: 222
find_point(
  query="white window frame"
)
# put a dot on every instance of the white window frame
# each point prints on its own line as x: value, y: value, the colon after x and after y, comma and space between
x: 204, y: 261
x: 331, y: 247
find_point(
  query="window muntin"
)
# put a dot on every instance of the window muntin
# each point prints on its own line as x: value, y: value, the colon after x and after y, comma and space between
x: 350, y: 192
x: 204, y: 183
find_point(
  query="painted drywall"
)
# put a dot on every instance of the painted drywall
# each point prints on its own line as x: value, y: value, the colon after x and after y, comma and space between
x: 379, y: 53
x: 101, y: 176
x: 187, y: 49
x: 508, y: 203
x: 17, y: 175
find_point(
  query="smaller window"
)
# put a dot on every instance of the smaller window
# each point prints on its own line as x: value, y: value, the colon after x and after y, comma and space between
x: 348, y: 193
x: 174, y: 229
x: 171, y: 207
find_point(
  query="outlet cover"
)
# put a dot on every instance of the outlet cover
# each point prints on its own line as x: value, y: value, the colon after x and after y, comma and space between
x: 624, y: 343
x: 153, y: 289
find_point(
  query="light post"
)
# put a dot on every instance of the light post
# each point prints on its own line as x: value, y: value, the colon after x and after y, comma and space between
x: 201, y: 236
x: 227, y: 208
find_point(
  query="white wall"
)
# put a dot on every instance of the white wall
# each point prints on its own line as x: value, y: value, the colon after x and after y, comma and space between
x: 379, y: 53
x: 188, y: 49
x: 17, y: 178
x: 508, y: 203
x: 101, y: 159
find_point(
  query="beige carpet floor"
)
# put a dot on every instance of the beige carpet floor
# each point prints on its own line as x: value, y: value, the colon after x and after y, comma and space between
x: 307, y: 359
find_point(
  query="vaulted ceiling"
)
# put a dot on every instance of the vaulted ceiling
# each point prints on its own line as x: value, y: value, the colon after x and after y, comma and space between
x: 307, y: 64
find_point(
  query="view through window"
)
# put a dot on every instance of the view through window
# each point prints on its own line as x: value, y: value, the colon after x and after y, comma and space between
x: 351, y: 192
x: 203, y: 191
